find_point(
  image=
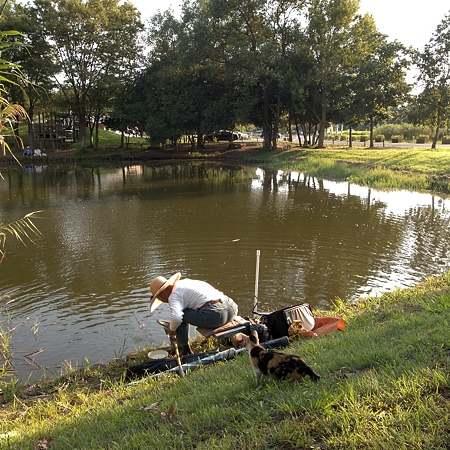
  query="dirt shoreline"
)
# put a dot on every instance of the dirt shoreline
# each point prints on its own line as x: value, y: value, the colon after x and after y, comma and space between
x: 223, y: 152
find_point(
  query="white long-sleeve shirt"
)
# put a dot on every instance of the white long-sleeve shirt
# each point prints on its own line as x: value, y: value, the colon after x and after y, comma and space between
x: 192, y: 294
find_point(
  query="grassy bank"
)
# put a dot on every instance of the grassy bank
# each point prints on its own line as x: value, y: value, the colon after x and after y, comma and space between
x: 385, y: 384
x: 389, y: 168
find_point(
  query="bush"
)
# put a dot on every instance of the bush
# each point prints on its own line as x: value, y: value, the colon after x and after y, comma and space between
x: 407, y: 130
x: 422, y: 139
x: 397, y: 138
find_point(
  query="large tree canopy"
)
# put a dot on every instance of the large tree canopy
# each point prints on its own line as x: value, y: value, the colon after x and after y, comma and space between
x: 432, y: 106
x: 266, y: 62
x: 96, y: 42
x: 36, y: 59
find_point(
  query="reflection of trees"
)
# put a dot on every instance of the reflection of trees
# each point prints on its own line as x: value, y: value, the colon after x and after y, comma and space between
x: 422, y: 233
x: 317, y: 234
x: 343, y: 242
x: 87, y: 181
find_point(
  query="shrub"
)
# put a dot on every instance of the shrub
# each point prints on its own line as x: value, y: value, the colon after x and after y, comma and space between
x: 407, y: 130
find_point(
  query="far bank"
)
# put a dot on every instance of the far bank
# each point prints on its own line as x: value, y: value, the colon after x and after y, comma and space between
x: 415, y: 168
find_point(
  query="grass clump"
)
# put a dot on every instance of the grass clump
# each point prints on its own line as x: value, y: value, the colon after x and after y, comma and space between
x: 385, y: 384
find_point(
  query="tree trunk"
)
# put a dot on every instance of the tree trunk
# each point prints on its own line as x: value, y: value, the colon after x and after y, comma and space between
x: 275, y: 125
x: 96, y: 135
x: 82, y: 127
x: 266, y: 122
x: 30, y: 133
x: 306, y: 137
x: 290, y: 128
x: 323, y: 124
x: 350, y: 140
x: 200, y: 141
x: 298, y: 132
x: 30, y: 113
x: 91, y: 134
x: 435, y: 137
x: 371, y: 132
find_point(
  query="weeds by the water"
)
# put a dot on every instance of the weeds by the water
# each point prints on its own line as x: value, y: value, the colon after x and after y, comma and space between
x: 385, y: 383
x: 412, y: 168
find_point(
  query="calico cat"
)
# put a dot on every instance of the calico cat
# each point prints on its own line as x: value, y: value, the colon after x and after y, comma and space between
x: 275, y: 365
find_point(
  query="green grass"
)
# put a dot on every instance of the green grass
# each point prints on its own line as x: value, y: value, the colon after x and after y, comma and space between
x: 105, y: 138
x: 385, y: 384
x: 417, y: 169
x: 108, y: 138
x: 418, y: 160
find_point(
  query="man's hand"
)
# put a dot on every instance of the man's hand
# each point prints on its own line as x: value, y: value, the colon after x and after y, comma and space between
x: 171, y: 333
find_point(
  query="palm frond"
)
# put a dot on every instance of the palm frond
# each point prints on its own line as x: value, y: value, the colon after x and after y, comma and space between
x: 23, y: 230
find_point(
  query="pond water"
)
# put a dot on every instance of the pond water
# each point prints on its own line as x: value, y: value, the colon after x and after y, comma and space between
x: 81, y: 290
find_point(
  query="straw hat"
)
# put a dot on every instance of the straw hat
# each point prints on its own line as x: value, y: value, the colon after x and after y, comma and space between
x: 157, y: 285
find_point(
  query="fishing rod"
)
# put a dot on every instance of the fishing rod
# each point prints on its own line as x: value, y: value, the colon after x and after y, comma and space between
x: 255, y: 301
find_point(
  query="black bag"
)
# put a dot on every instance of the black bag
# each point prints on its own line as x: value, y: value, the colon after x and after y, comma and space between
x: 278, y: 322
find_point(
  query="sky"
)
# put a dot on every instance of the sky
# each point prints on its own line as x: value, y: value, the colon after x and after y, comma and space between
x: 411, y: 23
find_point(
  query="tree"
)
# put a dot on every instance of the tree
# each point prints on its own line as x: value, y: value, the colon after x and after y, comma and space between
x: 36, y: 60
x: 377, y: 85
x: 432, y: 104
x: 334, y: 41
x: 94, y: 39
x: 258, y: 39
x: 185, y: 85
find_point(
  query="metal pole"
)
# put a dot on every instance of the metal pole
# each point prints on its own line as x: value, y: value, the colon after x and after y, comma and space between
x: 255, y: 301
x: 177, y: 353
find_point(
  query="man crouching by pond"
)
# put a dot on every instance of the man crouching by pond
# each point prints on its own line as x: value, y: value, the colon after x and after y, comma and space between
x: 191, y: 302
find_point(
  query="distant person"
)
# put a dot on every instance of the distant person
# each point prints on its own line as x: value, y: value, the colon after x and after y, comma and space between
x: 27, y: 151
x: 37, y: 152
x: 191, y: 302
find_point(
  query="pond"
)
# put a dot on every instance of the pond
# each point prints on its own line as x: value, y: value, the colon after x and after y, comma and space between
x: 81, y: 290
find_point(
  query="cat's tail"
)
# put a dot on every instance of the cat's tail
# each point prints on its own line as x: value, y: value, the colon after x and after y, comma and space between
x: 314, y: 376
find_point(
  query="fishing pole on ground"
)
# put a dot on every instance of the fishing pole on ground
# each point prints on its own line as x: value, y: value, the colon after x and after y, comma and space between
x: 173, y: 341
x: 255, y: 301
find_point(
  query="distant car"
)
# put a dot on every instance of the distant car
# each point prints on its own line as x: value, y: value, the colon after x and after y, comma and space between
x: 227, y: 136
x: 278, y: 135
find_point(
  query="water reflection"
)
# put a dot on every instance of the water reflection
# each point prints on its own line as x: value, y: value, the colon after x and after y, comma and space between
x: 107, y: 232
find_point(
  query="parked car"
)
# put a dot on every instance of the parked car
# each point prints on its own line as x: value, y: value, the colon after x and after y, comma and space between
x: 227, y: 136
x: 278, y: 135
